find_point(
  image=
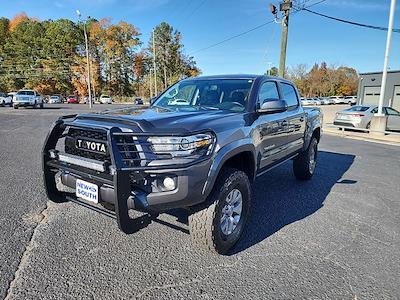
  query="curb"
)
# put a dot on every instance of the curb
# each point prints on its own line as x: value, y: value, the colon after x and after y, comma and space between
x: 361, y: 138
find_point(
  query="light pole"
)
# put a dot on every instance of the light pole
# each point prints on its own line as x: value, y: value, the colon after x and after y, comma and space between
x: 87, y: 59
x: 154, y: 65
x: 378, y: 122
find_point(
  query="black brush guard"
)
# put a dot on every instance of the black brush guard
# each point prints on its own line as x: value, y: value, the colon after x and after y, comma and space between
x: 121, y: 177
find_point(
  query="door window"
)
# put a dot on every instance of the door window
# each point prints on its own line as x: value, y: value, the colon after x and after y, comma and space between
x: 289, y: 94
x: 268, y: 90
x: 392, y: 112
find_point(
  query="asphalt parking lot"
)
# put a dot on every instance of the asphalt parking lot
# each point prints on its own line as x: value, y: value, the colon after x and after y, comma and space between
x: 334, y: 237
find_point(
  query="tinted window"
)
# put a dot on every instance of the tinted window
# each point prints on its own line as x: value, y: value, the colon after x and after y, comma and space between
x: 358, y: 108
x: 268, y: 90
x: 391, y: 111
x: 289, y: 94
x: 28, y: 93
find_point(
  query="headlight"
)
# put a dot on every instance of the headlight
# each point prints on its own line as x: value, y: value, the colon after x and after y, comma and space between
x: 181, y: 146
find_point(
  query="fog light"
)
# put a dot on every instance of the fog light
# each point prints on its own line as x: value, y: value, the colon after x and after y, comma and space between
x: 169, y: 183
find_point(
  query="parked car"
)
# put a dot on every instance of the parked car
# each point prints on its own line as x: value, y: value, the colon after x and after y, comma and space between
x: 337, y: 99
x: 25, y: 98
x: 317, y: 101
x: 202, y: 156
x: 54, y: 99
x: 72, y: 99
x: 138, y: 101
x: 326, y: 101
x: 351, y: 100
x: 104, y: 99
x: 5, y: 99
x: 12, y: 95
x: 359, y: 116
x: 306, y: 101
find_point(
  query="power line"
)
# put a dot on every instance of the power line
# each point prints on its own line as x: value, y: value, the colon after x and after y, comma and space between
x: 247, y: 31
x: 350, y: 22
x: 233, y: 37
x: 185, y: 18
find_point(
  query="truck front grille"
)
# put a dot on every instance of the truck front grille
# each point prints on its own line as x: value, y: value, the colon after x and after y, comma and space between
x: 88, y: 134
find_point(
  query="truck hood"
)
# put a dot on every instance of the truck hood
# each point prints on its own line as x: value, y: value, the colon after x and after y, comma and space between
x: 155, y: 119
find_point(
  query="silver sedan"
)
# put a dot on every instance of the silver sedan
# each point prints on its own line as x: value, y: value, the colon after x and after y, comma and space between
x: 359, y: 116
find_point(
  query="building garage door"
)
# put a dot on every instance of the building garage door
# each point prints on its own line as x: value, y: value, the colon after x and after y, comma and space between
x: 396, y: 98
x: 371, y: 95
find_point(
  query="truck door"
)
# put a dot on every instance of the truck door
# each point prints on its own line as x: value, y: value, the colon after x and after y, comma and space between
x: 270, y: 129
x: 295, y: 117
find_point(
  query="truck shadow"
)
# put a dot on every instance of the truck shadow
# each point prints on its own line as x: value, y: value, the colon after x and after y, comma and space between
x: 279, y: 199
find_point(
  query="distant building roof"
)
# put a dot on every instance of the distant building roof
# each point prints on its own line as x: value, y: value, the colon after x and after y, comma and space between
x: 378, y: 73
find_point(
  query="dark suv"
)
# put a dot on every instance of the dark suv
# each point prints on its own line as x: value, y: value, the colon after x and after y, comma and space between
x: 199, y: 146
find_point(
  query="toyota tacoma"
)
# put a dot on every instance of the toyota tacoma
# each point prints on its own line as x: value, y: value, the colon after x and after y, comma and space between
x: 199, y: 146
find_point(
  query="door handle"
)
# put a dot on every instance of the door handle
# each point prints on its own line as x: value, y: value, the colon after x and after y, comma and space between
x: 301, y: 119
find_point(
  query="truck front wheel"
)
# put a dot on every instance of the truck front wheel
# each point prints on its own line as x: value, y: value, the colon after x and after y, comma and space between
x: 218, y: 225
x: 305, y: 163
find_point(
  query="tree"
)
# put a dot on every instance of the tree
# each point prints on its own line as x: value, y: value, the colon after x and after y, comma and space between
x: 272, y: 72
x: 49, y: 56
x: 172, y: 63
x: 322, y: 80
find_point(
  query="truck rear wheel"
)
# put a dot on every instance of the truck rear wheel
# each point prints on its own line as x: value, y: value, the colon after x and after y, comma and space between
x: 218, y: 225
x: 305, y: 163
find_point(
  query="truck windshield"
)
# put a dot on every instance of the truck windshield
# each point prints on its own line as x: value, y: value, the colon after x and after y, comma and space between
x: 222, y: 94
x: 28, y: 93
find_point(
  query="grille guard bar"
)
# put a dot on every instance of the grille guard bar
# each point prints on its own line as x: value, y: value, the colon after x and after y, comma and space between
x: 121, y: 181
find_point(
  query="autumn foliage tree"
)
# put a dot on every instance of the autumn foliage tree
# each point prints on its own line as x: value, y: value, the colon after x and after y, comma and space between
x: 49, y: 56
x: 322, y: 80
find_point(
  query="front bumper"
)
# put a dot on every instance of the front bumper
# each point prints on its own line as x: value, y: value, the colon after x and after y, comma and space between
x: 23, y: 103
x: 115, y: 185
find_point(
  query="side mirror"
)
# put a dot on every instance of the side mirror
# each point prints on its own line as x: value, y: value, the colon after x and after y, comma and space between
x: 270, y: 106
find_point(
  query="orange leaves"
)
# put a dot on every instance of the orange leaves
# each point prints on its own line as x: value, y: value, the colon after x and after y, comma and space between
x: 18, y: 19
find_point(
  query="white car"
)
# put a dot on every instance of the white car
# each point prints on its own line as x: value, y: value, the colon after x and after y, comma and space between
x: 55, y: 99
x: 337, y: 99
x: 325, y: 101
x: 25, y: 98
x: 5, y: 99
x: 317, y: 101
x: 306, y: 101
x: 351, y: 100
x: 104, y: 99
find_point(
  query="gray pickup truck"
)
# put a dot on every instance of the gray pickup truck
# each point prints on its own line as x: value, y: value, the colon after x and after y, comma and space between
x: 199, y: 146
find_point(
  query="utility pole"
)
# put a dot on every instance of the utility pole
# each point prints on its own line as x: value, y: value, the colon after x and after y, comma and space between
x: 379, y: 121
x: 284, y: 7
x: 87, y: 59
x: 154, y: 65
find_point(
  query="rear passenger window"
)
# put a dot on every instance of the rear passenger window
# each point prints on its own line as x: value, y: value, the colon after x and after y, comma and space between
x: 268, y: 90
x: 289, y: 94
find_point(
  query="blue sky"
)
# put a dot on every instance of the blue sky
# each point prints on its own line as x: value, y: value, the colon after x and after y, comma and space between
x: 205, y: 22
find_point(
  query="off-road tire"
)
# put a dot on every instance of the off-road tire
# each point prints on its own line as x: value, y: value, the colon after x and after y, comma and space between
x: 302, y: 162
x: 204, y: 223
